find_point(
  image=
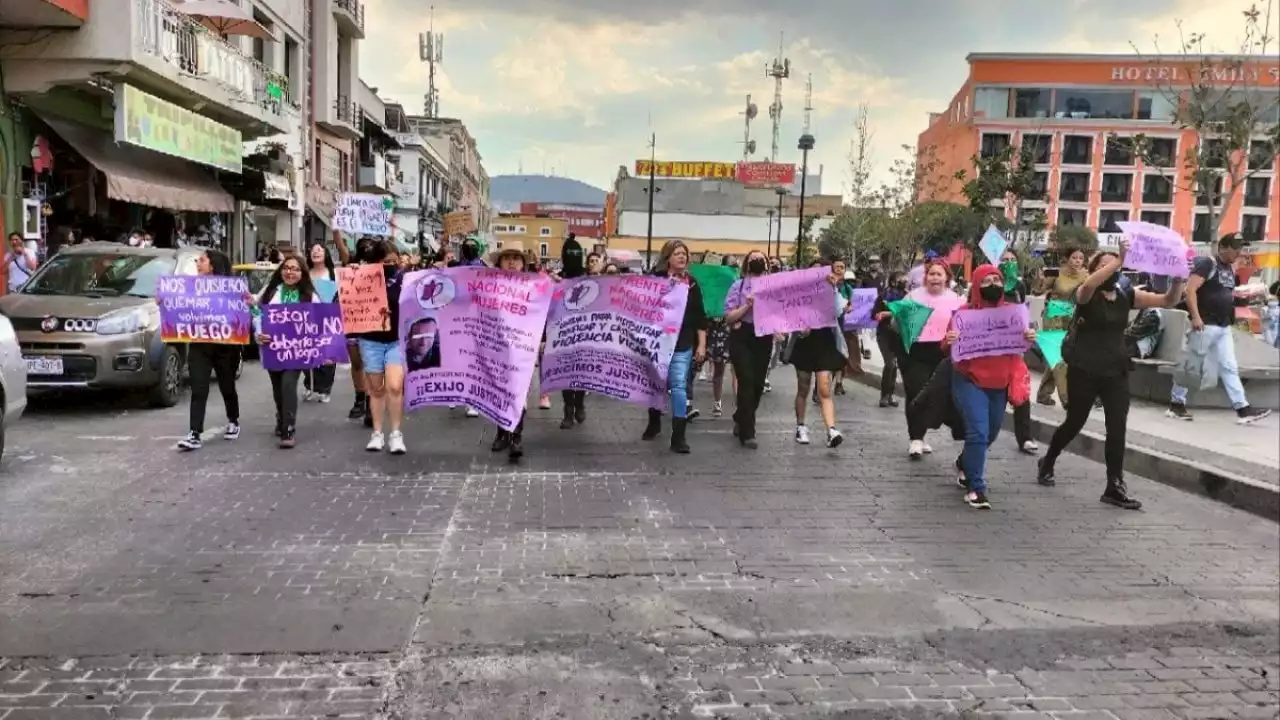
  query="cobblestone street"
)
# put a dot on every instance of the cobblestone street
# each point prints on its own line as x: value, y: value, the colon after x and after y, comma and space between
x: 605, y: 577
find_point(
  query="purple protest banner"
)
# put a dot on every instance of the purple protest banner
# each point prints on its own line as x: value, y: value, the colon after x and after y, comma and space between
x: 1155, y: 249
x: 859, y: 315
x: 303, y: 336
x: 470, y: 336
x: 204, y: 309
x: 614, y: 335
x: 990, y: 332
x: 794, y: 301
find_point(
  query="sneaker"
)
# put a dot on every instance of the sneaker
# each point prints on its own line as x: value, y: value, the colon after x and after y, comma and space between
x: 395, y: 443
x: 472, y: 412
x: 702, y: 375
x: 802, y: 435
x: 516, y: 450
x: 232, y: 432
x: 1030, y: 447
x: 1046, y: 401
x: 1044, y: 473
x: 717, y: 410
x: 693, y: 414
x: 288, y: 440
x: 1117, y: 494
x: 323, y: 398
x: 307, y: 395
x: 376, y: 442
x: 768, y: 387
x: 544, y: 402
x: 453, y: 407
x: 1248, y: 415
x: 191, y: 442
x: 1178, y: 411
x: 915, y: 450
x: 927, y: 448
x: 834, y: 438
x: 961, y: 479
x: 978, y: 501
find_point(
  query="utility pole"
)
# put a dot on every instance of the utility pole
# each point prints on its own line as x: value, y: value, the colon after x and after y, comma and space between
x: 648, y: 244
x: 780, y: 70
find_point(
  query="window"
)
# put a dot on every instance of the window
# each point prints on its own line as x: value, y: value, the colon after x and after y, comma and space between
x: 1253, y: 227
x: 1117, y: 187
x: 1072, y: 216
x: 344, y: 164
x: 544, y: 231
x: 1157, y: 190
x: 262, y: 47
x: 1077, y: 150
x: 1119, y: 152
x: 1032, y: 102
x: 1262, y: 155
x: 1074, y: 187
x: 1084, y: 104
x: 994, y: 143
x: 292, y: 61
x: 1213, y: 153
x: 1039, y: 187
x: 1107, y: 220
x: 991, y: 102
x: 1161, y: 151
x: 1157, y: 217
x: 1200, y: 233
x: 543, y: 250
x: 1040, y: 148
x: 1155, y: 105
x: 1257, y: 192
x: 1204, y: 194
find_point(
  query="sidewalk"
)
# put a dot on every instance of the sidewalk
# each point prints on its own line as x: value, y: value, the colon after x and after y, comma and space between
x: 1211, y: 456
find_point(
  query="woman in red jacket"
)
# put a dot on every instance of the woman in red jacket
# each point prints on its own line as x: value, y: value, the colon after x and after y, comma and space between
x: 980, y: 390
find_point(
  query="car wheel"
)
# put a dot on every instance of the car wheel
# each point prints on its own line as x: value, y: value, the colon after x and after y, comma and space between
x: 166, y: 392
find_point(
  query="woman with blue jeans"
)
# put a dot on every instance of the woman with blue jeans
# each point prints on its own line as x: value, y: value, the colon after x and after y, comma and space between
x: 980, y: 390
x: 691, y: 344
x: 381, y: 356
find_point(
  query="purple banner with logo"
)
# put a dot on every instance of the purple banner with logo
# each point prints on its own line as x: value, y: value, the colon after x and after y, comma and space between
x: 614, y: 335
x: 470, y: 336
x: 303, y: 336
x: 859, y: 315
x: 794, y: 301
x: 989, y: 332
x: 204, y: 309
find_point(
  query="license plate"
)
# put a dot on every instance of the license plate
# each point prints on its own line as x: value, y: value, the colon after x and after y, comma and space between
x: 44, y: 365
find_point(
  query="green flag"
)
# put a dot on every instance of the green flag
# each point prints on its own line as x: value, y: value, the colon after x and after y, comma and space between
x: 714, y: 281
x: 1059, y: 309
x: 911, y: 317
x: 1050, y: 342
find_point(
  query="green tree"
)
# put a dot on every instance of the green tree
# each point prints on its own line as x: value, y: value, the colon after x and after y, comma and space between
x: 1075, y: 236
x: 1001, y: 182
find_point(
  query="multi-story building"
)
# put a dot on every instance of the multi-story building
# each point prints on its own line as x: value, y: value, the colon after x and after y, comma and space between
x: 424, y: 178
x: 1074, y: 112
x: 584, y: 221
x: 133, y: 113
x: 336, y: 121
x: 468, y: 181
x: 541, y: 234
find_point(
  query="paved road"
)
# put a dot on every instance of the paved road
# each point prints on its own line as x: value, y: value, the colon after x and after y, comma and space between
x: 605, y: 577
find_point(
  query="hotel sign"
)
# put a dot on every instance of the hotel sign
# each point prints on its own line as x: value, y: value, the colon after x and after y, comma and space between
x: 149, y: 122
x: 1224, y: 74
x: 692, y: 170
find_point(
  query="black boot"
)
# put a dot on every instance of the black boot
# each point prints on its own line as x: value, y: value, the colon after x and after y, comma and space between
x: 368, y: 412
x: 279, y: 425
x: 1044, y: 476
x: 1117, y: 493
x: 358, y: 410
x: 501, y: 441
x: 654, y: 428
x: 568, y: 421
x: 678, y: 442
x: 516, y: 449
x: 580, y: 407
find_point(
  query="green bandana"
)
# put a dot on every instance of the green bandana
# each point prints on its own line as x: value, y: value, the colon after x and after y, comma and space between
x: 289, y: 294
x: 1009, y: 270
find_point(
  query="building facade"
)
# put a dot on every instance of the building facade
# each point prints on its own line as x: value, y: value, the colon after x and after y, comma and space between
x: 584, y: 221
x: 334, y: 117
x: 422, y: 190
x: 541, y: 234
x: 1075, y: 111
x: 468, y: 182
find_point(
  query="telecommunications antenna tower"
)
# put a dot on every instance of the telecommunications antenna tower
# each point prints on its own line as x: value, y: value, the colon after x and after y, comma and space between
x: 431, y: 52
x: 749, y: 145
x: 808, y: 102
x: 780, y: 70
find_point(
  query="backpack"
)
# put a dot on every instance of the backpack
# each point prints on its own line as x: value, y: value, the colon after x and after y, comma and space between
x: 1142, y: 337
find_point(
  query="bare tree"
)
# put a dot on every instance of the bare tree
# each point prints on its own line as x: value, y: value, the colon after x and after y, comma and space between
x: 1231, y: 102
x: 860, y: 160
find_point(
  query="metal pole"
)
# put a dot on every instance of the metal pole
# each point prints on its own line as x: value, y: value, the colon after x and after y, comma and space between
x: 778, y: 255
x: 768, y: 243
x: 804, y: 169
x: 648, y: 245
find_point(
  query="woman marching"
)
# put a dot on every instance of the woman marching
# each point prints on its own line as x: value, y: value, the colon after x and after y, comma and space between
x: 1097, y: 363
x: 318, y: 383
x: 572, y: 266
x: 817, y: 355
x: 207, y: 359
x: 511, y: 258
x: 289, y: 284
x: 691, y: 343
x: 381, y: 356
x: 1062, y: 287
x: 980, y: 389
x: 748, y: 354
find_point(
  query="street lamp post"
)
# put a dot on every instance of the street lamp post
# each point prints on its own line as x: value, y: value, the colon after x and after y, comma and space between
x: 782, y: 195
x: 806, y: 144
x: 768, y: 243
x: 648, y: 243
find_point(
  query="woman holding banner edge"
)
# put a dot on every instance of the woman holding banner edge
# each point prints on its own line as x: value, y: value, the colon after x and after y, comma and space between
x: 288, y: 284
x: 817, y: 355
x: 691, y: 344
x: 511, y: 258
x: 208, y: 359
x: 748, y: 354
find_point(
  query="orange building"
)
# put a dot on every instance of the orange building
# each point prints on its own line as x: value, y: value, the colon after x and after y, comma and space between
x: 1070, y: 106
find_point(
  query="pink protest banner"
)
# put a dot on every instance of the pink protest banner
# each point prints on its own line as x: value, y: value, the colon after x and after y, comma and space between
x: 794, y: 301
x: 614, y: 335
x: 1155, y: 249
x: 470, y: 336
x: 990, y: 332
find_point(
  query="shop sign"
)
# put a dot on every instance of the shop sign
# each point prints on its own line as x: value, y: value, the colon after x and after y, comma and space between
x: 149, y: 122
x: 276, y: 187
x: 766, y: 174
x: 666, y: 168
x: 1225, y: 74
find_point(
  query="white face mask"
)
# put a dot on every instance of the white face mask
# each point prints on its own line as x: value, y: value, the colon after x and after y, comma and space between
x: 135, y: 241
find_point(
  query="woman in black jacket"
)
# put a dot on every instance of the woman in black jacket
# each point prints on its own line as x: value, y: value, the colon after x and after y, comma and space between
x: 691, y: 344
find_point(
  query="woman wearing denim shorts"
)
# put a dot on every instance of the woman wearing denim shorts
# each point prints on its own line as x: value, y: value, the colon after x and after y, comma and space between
x: 381, y: 356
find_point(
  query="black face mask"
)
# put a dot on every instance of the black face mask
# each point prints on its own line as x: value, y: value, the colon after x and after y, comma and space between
x: 991, y: 294
x: 367, y: 252
x: 756, y: 266
x: 470, y: 252
x: 1110, y: 283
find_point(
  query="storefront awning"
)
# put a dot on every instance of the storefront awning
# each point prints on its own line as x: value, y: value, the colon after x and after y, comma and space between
x: 140, y: 176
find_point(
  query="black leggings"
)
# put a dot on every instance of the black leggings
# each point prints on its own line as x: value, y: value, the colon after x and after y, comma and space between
x: 917, y: 368
x: 1082, y: 389
x: 889, y: 344
x: 203, y: 361
x: 750, y: 357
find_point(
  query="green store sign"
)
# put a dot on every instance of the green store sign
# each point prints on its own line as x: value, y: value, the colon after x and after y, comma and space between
x: 147, y: 121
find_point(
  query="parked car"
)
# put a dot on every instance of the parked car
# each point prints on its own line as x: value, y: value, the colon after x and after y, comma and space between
x: 88, y: 319
x: 13, y: 379
x: 258, y: 274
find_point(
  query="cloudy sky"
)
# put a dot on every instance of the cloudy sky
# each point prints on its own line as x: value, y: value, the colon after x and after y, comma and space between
x: 576, y: 86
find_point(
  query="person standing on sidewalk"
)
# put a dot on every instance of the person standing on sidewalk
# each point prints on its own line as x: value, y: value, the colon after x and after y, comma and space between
x: 21, y: 262
x: 1098, y: 363
x: 1015, y: 293
x: 288, y: 284
x: 748, y: 354
x: 1062, y: 287
x: 691, y: 344
x: 206, y: 360
x: 1211, y: 305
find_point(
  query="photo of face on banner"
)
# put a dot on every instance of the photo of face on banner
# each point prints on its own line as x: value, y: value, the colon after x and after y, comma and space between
x: 422, y: 345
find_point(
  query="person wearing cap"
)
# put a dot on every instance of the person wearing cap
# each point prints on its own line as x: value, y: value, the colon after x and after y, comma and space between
x: 1211, y: 306
x: 511, y: 258
x: 573, y: 265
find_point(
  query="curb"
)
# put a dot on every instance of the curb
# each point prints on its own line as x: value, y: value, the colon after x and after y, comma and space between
x: 1238, y: 491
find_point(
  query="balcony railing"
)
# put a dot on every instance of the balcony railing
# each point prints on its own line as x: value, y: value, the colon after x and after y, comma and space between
x: 354, y: 8
x: 196, y: 51
x: 346, y: 110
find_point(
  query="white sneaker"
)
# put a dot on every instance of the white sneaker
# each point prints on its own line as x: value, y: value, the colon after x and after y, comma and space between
x: 717, y: 410
x: 1030, y: 447
x: 376, y: 442
x: 232, y: 432
x: 927, y: 448
x: 702, y: 375
x: 802, y: 435
x: 472, y: 412
x: 322, y: 398
x: 396, y: 443
x: 307, y: 395
x: 453, y: 407
x: 834, y: 438
x: 916, y: 449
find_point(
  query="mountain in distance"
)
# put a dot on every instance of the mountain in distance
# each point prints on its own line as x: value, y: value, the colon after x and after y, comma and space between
x: 506, y: 192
